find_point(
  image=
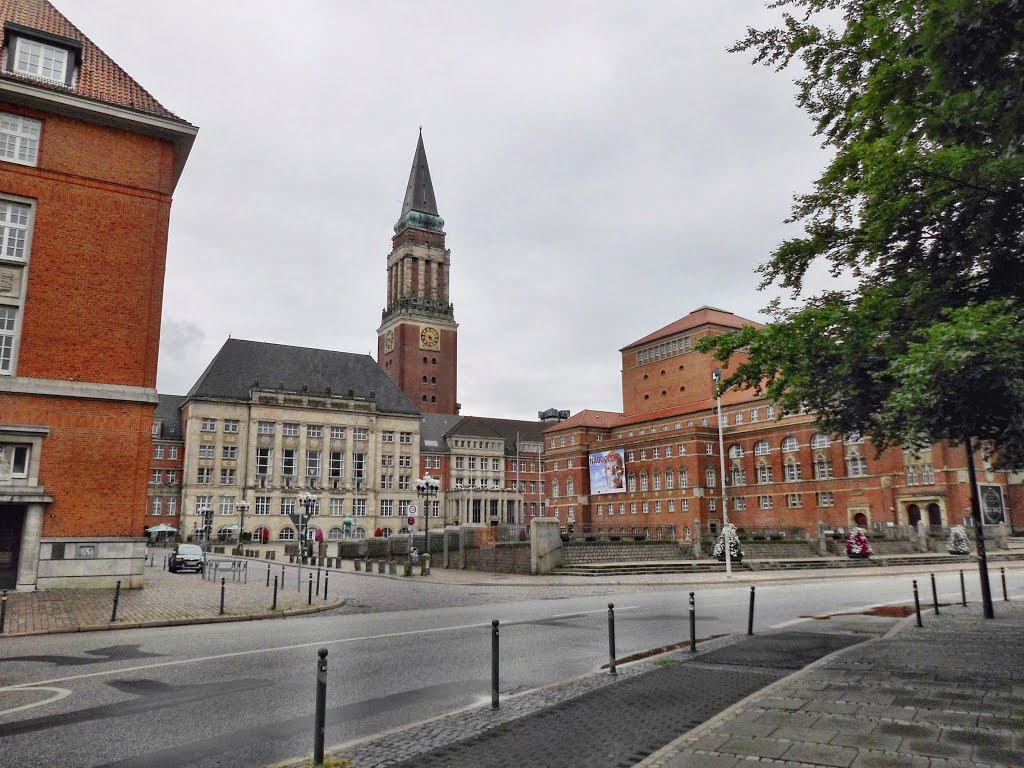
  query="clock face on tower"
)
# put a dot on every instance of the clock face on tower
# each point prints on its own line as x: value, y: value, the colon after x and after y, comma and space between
x: 389, y: 341
x: 430, y: 338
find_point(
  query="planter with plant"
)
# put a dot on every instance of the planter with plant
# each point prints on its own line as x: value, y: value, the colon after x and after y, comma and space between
x: 957, y: 543
x: 735, y: 552
x: 857, y: 545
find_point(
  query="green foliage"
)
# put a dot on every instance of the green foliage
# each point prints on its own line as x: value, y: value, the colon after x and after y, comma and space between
x: 922, y: 102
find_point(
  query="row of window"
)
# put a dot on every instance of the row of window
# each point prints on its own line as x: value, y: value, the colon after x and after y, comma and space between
x: 313, y: 431
x: 157, y: 476
x: 793, y: 501
x: 160, y: 505
x: 462, y: 462
x: 172, y: 452
x: 228, y: 505
x: 665, y: 349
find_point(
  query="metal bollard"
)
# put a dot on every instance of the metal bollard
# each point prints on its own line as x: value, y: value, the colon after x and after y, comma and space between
x: 917, y: 604
x: 494, y: 664
x: 321, y: 707
x: 750, y: 616
x: 3, y: 610
x: 151, y: 556
x: 282, y: 575
x: 963, y: 589
x: 935, y: 596
x: 1002, y: 575
x: 693, y: 626
x: 222, y: 580
x: 165, y: 562
x: 325, y: 586
x: 318, y: 582
x: 117, y: 597
x: 310, y: 600
x: 274, y: 606
x: 611, y: 639
x: 268, y: 574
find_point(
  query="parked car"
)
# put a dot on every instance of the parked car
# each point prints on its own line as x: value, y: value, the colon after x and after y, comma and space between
x: 186, y: 557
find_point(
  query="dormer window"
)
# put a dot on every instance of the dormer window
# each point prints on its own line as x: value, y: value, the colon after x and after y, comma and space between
x: 37, y: 54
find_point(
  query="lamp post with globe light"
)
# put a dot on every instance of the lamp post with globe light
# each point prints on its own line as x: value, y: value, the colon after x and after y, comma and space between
x: 301, y: 521
x: 243, y: 507
x: 427, y: 488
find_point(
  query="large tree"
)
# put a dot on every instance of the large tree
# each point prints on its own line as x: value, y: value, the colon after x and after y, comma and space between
x: 921, y: 209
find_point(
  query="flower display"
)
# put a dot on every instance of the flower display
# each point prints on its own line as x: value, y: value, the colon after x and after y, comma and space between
x: 957, y: 543
x: 735, y: 553
x: 857, y: 544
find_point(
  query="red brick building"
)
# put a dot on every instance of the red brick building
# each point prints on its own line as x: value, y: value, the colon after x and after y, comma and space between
x: 417, y: 341
x: 781, y: 474
x: 88, y: 164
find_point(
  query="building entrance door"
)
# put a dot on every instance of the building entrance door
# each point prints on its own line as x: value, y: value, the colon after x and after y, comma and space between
x: 913, y: 515
x: 12, y: 520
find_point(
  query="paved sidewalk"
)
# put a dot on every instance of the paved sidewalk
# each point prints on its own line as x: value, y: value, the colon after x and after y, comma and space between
x: 948, y: 695
x: 166, y: 598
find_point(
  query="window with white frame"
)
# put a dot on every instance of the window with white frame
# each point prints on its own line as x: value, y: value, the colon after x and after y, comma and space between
x: 158, y: 451
x: 172, y: 452
x: 172, y: 476
x: 753, y: 414
x: 337, y: 433
x: 337, y: 468
x: 262, y: 506
x: 405, y: 438
x: 387, y: 460
x: 359, y: 507
x: 204, y: 476
x: 735, y: 451
x: 229, y: 452
x: 387, y: 436
x: 264, y: 461
x: 739, y: 417
x: 288, y: 463
x: 792, y: 470
x: 8, y: 317
x: 671, y: 505
x: 632, y: 507
x: 227, y: 476
x: 825, y: 499
x: 172, y: 505
x: 709, y: 477
x: 387, y: 507
x: 287, y: 534
x: 823, y: 468
x: 570, y: 487
x: 45, y: 61
x: 643, y: 454
x: 656, y: 481
x: 208, y: 425
x: 820, y: 440
x: 290, y: 429
x: 472, y: 463
x: 764, y: 502
x: 207, y: 451
x: 265, y: 427
x: 764, y: 473
x: 554, y: 487
x: 739, y: 476
x: 739, y: 503
x: 387, y: 482
x: 643, y: 481
x: 155, y: 505
x: 794, y: 500
x: 670, y: 480
x: 684, y: 505
x: 405, y: 482
x: 668, y: 451
x: 856, y: 465
x: 405, y: 460
x: 156, y: 477
x: 709, y: 448
x: 762, y: 448
x: 630, y: 455
x: 315, y: 431
x: 684, y: 477
x: 789, y: 444
x: 769, y: 412
x: 712, y: 504
x: 645, y: 508
x: 227, y: 505
x: 19, y: 139
x: 313, y: 463
x: 288, y: 505
x: 231, y: 426
x: 631, y: 482
x: 337, y: 507
x: 655, y: 453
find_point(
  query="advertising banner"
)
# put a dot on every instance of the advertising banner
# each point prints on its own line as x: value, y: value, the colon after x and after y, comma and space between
x: 992, y: 507
x: 608, y: 472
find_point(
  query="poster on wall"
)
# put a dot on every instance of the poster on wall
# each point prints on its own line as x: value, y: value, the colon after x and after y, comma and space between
x: 608, y: 471
x: 993, y: 512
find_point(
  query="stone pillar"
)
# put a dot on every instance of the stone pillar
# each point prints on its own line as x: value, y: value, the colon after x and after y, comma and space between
x: 822, y: 543
x: 425, y: 565
x: 545, y: 545
x: 1001, y: 536
x: 697, y: 554
x: 446, y: 554
x: 921, y: 545
x: 463, y: 536
x: 28, y: 557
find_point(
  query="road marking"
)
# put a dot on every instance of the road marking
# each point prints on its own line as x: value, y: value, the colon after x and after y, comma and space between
x: 235, y: 654
x: 60, y: 693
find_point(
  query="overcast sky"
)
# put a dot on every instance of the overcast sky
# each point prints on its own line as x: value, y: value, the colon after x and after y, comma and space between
x: 603, y: 168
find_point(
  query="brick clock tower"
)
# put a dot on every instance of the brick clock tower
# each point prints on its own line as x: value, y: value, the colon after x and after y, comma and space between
x: 417, y: 342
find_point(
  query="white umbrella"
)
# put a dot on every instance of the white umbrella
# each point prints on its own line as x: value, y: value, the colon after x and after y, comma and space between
x: 162, y: 528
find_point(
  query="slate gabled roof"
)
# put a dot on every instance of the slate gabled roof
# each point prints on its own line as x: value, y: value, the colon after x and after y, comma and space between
x: 433, y: 427
x: 240, y: 364
x: 99, y: 77
x: 168, y: 410
x: 503, y: 429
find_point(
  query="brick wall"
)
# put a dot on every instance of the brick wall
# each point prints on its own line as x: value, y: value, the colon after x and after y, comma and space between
x: 503, y: 558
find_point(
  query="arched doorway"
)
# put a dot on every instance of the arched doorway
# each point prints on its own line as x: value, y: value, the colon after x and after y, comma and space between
x: 934, y: 515
x: 860, y: 520
x: 913, y: 515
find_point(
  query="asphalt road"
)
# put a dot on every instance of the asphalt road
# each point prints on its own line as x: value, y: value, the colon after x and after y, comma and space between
x: 242, y: 694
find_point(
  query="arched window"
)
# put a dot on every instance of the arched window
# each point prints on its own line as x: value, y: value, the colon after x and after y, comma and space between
x: 631, y: 482
x: 761, y: 448
x: 311, y: 533
x: 287, y: 534
x: 820, y: 441
x: 643, y: 481
x: 570, y: 487
x: 789, y: 444
x: 554, y: 487
x: 735, y: 451
x: 684, y: 478
x: 385, y: 532
x: 359, y: 533
x: 227, y: 532
x: 335, y: 533
x: 261, y: 535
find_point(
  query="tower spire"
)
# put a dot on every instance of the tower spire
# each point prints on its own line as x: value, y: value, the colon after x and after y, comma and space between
x: 419, y: 194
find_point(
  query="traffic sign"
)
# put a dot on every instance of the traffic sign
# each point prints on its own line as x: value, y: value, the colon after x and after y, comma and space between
x: 413, y: 509
x: 411, y: 520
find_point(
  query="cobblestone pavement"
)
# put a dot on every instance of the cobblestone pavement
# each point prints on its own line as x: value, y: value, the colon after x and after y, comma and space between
x: 948, y: 695
x: 164, y: 598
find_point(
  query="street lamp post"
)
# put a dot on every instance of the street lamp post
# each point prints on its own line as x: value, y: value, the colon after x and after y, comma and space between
x: 301, y: 520
x: 716, y: 375
x: 206, y: 513
x: 426, y: 488
x: 243, y: 507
